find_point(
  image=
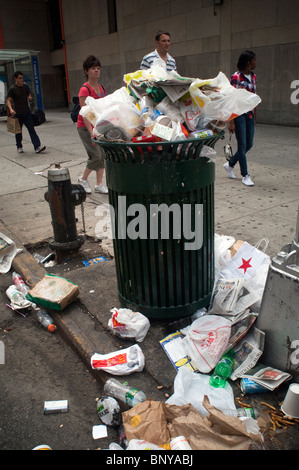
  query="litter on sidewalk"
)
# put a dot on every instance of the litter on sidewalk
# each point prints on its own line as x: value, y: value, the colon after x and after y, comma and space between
x: 8, y: 250
x: 128, y: 324
x: 121, y: 362
x: 196, y: 348
x: 197, y: 415
x: 98, y: 259
x: 53, y: 292
x: 56, y: 406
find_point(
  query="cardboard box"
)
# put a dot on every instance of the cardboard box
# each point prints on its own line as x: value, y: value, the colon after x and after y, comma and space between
x: 53, y: 292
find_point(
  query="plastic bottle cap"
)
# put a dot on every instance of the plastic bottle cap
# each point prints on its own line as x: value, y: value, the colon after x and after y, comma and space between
x: 52, y: 328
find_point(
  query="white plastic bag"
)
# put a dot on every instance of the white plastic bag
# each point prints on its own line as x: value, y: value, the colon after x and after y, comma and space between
x: 122, y: 362
x: 98, y: 106
x: 128, y: 324
x: 191, y: 387
x: 191, y: 111
x: 123, y: 115
x: 207, y: 340
x: 218, y: 99
x: 252, y: 264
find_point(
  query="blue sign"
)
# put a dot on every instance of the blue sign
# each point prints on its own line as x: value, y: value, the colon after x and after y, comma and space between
x: 36, y: 81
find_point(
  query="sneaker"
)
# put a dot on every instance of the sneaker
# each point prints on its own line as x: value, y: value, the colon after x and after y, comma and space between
x: 40, y: 149
x: 247, y: 181
x: 229, y: 170
x: 20, y: 150
x: 101, y: 188
x: 85, y: 185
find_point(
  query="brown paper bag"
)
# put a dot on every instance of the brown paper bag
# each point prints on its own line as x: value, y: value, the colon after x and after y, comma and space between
x: 215, y: 432
x: 158, y: 423
x: 13, y: 125
x: 236, y: 247
x: 147, y: 421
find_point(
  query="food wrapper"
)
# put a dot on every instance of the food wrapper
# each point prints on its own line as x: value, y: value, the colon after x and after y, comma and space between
x: 53, y: 292
x: 128, y: 324
x: 122, y: 362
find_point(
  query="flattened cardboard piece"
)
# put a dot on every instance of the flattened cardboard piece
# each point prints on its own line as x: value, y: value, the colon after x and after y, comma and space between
x: 53, y: 292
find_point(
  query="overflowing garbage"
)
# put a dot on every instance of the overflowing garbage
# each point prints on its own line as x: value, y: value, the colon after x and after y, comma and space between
x: 156, y: 106
x: 211, y: 350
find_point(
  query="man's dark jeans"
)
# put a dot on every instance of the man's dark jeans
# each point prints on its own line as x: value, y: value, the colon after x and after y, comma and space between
x: 27, y: 120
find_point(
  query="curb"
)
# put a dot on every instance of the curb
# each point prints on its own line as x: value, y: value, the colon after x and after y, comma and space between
x: 32, y: 272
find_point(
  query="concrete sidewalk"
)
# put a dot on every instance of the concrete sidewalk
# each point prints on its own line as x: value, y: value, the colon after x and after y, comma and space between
x: 266, y: 210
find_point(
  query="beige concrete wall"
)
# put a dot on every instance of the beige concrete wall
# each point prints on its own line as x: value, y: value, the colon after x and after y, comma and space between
x: 205, y: 40
x: 24, y: 26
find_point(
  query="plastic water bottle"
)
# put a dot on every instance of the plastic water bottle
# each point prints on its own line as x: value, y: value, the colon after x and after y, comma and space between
x: 241, y: 412
x: 129, y: 395
x: 19, y: 283
x: 223, y: 370
x: 46, y: 320
x: 15, y: 296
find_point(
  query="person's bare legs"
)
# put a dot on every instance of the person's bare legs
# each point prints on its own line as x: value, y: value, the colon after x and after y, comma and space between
x: 99, y: 176
x: 86, y: 173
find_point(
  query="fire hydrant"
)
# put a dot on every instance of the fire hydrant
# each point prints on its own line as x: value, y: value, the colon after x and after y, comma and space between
x: 62, y: 197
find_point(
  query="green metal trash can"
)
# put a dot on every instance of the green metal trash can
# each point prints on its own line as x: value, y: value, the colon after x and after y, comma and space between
x: 162, y: 201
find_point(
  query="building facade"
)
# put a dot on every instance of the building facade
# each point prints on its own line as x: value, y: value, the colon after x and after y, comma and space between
x: 207, y: 37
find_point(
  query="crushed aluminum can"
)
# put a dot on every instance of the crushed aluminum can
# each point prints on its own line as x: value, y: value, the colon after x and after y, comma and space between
x: 250, y: 386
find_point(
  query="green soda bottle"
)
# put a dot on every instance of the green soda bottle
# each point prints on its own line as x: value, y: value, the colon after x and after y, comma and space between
x: 223, y: 370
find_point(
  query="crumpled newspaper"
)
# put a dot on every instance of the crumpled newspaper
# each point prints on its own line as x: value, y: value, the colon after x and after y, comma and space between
x: 8, y: 250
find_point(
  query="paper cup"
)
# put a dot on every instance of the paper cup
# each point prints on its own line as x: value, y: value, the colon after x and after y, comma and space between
x: 179, y: 443
x: 164, y: 121
x: 290, y: 404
